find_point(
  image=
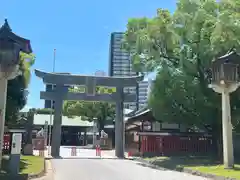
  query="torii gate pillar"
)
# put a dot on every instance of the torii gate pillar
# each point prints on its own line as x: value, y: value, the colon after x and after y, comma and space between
x: 90, y: 82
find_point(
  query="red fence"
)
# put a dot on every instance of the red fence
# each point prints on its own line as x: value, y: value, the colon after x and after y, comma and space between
x: 171, y: 145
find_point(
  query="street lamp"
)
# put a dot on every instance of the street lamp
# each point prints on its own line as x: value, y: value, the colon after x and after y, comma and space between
x: 224, y: 80
x: 10, y: 47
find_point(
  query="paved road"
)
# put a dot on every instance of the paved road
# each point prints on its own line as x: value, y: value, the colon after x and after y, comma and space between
x: 93, y: 168
x: 86, y: 166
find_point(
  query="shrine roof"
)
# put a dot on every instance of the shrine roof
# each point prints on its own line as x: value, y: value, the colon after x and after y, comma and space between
x: 78, y: 79
x: 230, y: 57
x: 6, y: 31
x: 41, y: 74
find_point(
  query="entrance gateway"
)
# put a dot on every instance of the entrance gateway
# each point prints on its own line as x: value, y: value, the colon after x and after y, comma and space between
x: 91, y: 84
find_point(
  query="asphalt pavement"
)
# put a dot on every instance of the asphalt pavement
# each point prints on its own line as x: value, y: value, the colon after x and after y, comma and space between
x: 86, y: 166
x: 112, y: 169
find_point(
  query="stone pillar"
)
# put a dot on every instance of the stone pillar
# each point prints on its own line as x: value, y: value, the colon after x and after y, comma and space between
x: 57, y: 124
x: 3, y: 97
x: 227, y: 131
x: 119, y: 126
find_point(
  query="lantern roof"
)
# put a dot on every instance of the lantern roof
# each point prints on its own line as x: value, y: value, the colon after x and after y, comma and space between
x: 231, y: 57
x: 6, y: 33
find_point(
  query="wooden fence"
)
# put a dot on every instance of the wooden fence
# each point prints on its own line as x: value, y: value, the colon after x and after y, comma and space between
x: 175, y: 145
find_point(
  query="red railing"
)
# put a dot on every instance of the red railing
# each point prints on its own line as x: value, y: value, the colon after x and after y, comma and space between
x: 169, y: 145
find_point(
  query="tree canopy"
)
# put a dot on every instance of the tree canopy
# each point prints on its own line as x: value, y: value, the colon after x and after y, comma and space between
x: 103, y: 111
x: 44, y: 111
x: 17, y: 90
x: 180, y: 47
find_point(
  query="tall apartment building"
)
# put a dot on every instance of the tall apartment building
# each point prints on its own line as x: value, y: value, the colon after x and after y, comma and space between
x: 120, y: 64
x: 142, y: 94
x: 49, y: 103
x: 144, y: 90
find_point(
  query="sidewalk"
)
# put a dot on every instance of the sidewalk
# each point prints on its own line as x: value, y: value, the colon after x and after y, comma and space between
x: 49, y: 172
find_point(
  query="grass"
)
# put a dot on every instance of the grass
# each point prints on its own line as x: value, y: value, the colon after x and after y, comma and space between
x: 31, y: 164
x: 28, y: 165
x: 219, y: 170
x: 202, y: 164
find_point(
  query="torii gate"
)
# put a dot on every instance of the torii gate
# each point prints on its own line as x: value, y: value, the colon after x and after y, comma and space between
x: 61, y: 93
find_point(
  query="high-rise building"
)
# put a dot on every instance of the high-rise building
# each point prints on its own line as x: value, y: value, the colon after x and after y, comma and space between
x: 120, y: 65
x: 142, y: 94
x: 48, y: 88
x: 144, y: 90
x: 49, y: 103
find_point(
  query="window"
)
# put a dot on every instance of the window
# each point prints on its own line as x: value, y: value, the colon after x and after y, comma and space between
x: 116, y: 72
x: 125, y: 72
x: 126, y: 106
x: 126, y: 90
x: 118, y: 35
x: 117, y: 46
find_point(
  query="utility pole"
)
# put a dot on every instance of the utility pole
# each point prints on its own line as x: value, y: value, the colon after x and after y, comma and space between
x: 94, y: 131
x: 51, y: 115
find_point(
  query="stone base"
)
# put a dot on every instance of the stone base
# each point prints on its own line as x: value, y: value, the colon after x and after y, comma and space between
x: 28, y: 149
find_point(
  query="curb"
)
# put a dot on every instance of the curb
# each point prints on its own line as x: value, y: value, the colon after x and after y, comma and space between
x: 197, y: 173
x: 186, y: 170
x: 40, y: 174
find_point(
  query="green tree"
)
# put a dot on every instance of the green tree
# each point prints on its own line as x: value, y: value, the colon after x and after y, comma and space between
x: 44, y: 111
x: 102, y: 111
x: 17, y: 90
x: 181, y: 47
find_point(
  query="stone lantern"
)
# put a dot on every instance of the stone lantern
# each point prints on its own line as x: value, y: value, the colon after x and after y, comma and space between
x: 224, y: 80
x: 10, y: 47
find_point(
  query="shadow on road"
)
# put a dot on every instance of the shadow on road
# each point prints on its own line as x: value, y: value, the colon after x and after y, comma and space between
x: 94, y: 158
x: 178, y: 163
x: 78, y: 147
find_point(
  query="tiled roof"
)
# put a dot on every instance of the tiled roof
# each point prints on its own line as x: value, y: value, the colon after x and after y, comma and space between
x: 39, y: 119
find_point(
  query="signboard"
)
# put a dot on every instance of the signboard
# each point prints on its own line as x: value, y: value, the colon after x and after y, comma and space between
x: 6, y: 141
x: 16, y: 143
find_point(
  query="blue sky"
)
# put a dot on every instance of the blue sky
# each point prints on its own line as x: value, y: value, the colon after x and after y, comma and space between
x: 78, y: 30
